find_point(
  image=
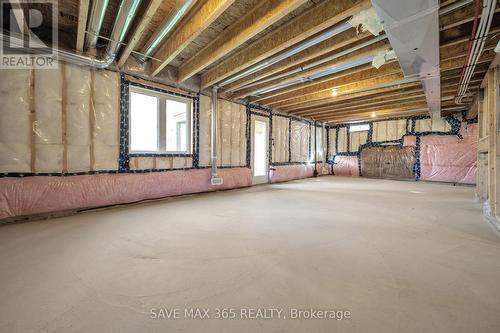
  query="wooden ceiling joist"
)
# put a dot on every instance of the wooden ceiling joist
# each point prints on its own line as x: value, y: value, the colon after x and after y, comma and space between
x: 139, y: 31
x: 188, y: 31
x: 254, y: 22
x: 366, y: 51
x: 299, y: 28
x: 337, y: 42
x: 323, y: 90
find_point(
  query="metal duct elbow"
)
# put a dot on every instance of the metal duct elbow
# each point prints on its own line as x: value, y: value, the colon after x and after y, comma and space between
x: 126, y: 13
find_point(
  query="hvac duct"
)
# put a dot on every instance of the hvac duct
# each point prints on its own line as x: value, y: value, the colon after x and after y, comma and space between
x: 97, y: 13
x: 126, y: 13
x: 412, y: 27
x: 166, y: 27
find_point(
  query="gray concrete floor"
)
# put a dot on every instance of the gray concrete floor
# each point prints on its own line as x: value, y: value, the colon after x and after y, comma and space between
x: 400, y: 256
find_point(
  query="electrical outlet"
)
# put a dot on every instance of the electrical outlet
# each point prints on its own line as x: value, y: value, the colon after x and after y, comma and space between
x: 216, y: 181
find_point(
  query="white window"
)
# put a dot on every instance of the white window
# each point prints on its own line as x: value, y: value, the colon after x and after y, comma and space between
x: 159, y: 123
x: 359, y: 128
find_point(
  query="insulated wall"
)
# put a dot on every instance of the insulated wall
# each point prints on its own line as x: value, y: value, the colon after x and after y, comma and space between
x: 56, y: 120
x: 407, y: 148
x: 231, y: 134
x: 300, y: 140
x: 280, y: 142
x: 64, y: 143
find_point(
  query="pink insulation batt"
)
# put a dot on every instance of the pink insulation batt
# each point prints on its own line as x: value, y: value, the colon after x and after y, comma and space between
x: 43, y: 194
x: 448, y: 158
x: 282, y: 173
x: 346, y: 166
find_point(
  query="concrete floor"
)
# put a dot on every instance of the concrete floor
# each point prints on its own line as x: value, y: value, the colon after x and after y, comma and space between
x: 400, y: 256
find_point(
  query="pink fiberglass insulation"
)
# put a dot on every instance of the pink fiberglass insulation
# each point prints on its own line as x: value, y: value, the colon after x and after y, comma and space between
x: 283, y: 173
x: 346, y: 166
x: 409, y: 140
x: 44, y: 194
x: 448, y: 158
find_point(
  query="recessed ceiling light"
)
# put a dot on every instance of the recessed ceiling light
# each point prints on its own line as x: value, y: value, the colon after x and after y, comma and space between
x: 334, y: 92
x: 373, y: 115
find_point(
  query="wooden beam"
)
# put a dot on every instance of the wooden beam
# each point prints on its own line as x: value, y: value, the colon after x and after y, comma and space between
x: 265, y: 14
x: 366, y: 51
x: 323, y: 90
x: 139, y: 30
x: 389, y: 92
x: 83, y: 11
x: 349, y: 37
x: 301, y: 27
x: 292, y: 93
x: 418, y: 106
x: 459, y: 17
x: 371, y: 101
x: 188, y: 31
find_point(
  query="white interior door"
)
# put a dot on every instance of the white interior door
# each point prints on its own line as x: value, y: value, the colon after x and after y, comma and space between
x: 260, y: 149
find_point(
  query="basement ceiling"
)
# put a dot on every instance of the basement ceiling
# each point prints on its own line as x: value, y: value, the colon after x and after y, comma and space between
x: 246, y: 32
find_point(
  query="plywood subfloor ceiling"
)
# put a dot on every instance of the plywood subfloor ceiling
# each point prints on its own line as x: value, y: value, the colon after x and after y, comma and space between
x: 218, y: 39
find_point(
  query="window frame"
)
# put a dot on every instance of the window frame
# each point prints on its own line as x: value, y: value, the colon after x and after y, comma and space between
x: 162, y: 123
x: 360, y: 130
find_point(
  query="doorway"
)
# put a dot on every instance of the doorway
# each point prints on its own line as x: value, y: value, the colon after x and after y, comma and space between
x: 260, y: 149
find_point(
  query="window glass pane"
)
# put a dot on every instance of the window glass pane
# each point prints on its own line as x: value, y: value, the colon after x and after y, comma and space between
x: 177, y: 126
x: 359, y: 128
x: 143, y: 122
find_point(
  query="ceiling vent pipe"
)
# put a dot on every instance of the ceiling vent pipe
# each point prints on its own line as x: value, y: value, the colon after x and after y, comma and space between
x: 126, y: 13
x: 97, y: 13
x: 166, y: 27
x: 412, y: 27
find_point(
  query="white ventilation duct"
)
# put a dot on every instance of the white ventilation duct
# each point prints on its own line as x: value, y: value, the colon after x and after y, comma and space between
x: 412, y: 27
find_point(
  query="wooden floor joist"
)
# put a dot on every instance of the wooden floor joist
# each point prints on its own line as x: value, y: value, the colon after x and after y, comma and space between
x: 301, y: 27
x: 254, y: 22
x: 187, y: 32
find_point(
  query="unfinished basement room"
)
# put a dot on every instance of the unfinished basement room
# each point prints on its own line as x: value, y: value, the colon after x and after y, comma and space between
x: 250, y: 166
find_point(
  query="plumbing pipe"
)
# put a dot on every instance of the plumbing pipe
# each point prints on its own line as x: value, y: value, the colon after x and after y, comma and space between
x: 126, y: 13
x: 95, y: 22
x: 476, y: 45
x: 166, y: 27
x: 213, y: 132
x: 336, y: 29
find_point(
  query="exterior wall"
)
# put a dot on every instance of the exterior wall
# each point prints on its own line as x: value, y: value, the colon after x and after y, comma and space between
x: 64, y: 144
x: 445, y: 155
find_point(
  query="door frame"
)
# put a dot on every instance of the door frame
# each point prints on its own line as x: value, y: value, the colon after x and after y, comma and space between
x: 265, y: 119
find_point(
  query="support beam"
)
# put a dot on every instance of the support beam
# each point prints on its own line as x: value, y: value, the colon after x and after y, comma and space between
x: 345, y: 60
x: 139, y: 30
x: 264, y: 15
x: 188, y: 31
x: 301, y: 27
x: 83, y: 11
x: 323, y: 90
x: 278, y: 96
x: 349, y: 37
